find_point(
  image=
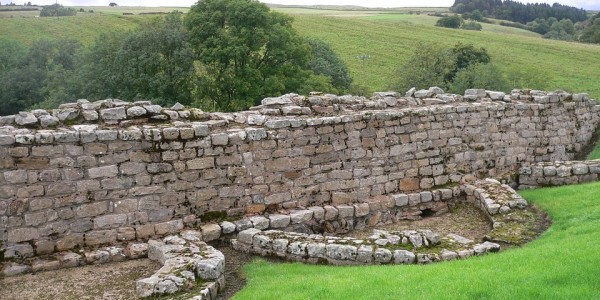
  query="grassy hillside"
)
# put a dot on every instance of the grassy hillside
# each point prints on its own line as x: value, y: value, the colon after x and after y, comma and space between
x: 84, y: 27
x: 385, y: 38
x: 563, y: 264
x: 388, y: 40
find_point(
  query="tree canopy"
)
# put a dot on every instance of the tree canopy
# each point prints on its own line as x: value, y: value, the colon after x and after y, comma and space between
x: 519, y: 12
x: 454, y: 69
x: 246, y: 51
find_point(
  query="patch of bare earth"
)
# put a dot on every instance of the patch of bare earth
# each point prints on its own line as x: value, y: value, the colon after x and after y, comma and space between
x: 112, y: 281
x: 463, y: 219
x: 117, y: 280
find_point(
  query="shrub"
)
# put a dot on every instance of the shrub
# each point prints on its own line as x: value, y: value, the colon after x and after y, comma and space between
x: 472, y: 26
x: 450, y: 22
x: 481, y: 76
x: 57, y: 10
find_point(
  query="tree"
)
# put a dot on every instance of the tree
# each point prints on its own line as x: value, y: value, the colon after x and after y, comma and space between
x: 57, y: 10
x: 113, y: 4
x: 43, y: 74
x: 246, y: 52
x: 591, y: 34
x: 326, y: 62
x: 450, y: 22
x: 433, y: 65
x: 481, y: 76
x: 427, y: 67
x: 472, y: 26
x: 155, y: 62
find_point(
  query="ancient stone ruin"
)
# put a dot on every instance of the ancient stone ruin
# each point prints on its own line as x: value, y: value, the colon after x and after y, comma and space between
x: 92, y: 182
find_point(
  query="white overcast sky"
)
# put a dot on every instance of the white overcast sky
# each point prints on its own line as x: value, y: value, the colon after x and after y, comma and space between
x: 587, y: 4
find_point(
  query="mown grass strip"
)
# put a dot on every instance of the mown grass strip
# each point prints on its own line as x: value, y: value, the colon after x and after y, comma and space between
x: 563, y: 263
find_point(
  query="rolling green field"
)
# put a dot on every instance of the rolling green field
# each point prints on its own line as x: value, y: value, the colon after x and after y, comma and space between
x: 527, y: 60
x: 384, y: 39
x: 563, y: 263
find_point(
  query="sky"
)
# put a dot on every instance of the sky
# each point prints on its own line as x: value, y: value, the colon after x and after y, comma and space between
x: 587, y: 4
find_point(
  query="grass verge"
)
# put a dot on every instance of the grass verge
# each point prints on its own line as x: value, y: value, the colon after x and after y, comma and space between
x: 563, y: 263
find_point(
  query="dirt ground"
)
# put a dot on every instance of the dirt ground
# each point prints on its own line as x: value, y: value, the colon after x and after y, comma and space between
x: 463, y: 219
x: 112, y: 281
x: 117, y: 280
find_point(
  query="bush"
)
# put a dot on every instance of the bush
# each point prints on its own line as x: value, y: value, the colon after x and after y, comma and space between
x: 513, y: 24
x: 450, y: 22
x: 481, y: 76
x: 57, y: 10
x: 433, y: 65
x: 472, y: 26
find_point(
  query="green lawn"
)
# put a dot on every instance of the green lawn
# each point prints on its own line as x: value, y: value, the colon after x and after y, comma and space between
x: 564, y: 263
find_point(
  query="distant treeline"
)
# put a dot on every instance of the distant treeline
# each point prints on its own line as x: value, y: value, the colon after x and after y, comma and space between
x: 519, y: 12
x: 19, y: 9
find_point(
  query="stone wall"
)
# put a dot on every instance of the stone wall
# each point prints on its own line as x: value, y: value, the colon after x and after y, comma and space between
x: 559, y: 173
x: 130, y: 171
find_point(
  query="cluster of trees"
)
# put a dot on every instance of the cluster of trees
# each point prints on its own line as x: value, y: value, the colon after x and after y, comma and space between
x: 519, y: 12
x: 559, y: 22
x: 590, y: 33
x: 224, y: 55
x: 452, y: 69
x: 553, y: 29
x: 57, y: 10
x: 458, y: 22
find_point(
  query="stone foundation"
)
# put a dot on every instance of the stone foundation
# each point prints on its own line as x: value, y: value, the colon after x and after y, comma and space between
x: 559, y: 173
x: 132, y: 171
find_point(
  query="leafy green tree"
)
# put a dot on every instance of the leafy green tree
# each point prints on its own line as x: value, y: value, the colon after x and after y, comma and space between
x: 57, y: 10
x: 246, y: 52
x: 450, y: 22
x: 591, y: 34
x: 466, y: 55
x: 99, y: 70
x: 428, y: 66
x: 326, y: 62
x: 48, y: 66
x: 479, y: 75
x: 434, y: 65
x: 156, y: 62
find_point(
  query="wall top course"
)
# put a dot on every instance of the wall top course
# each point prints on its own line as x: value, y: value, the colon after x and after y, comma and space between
x: 135, y: 121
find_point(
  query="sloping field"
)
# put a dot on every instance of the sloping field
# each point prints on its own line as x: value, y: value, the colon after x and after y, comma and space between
x: 84, y: 27
x: 374, y: 44
x: 387, y: 42
x: 563, y: 263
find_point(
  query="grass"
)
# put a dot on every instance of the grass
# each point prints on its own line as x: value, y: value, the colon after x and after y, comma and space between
x: 384, y: 39
x: 595, y: 154
x: 84, y: 27
x: 563, y: 263
x: 388, y: 40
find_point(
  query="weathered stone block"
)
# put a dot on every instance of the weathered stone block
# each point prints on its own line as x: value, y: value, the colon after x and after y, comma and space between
x: 345, y: 211
x: 18, y: 235
x: 260, y: 222
x: 113, y: 114
x: 100, y: 237
x: 170, y: 227
x: 110, y: 221
x: 247, y: 236
x: 210, y: 232
x: 300, y: 216
x: 106, y: 171
x: 201, y: 163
